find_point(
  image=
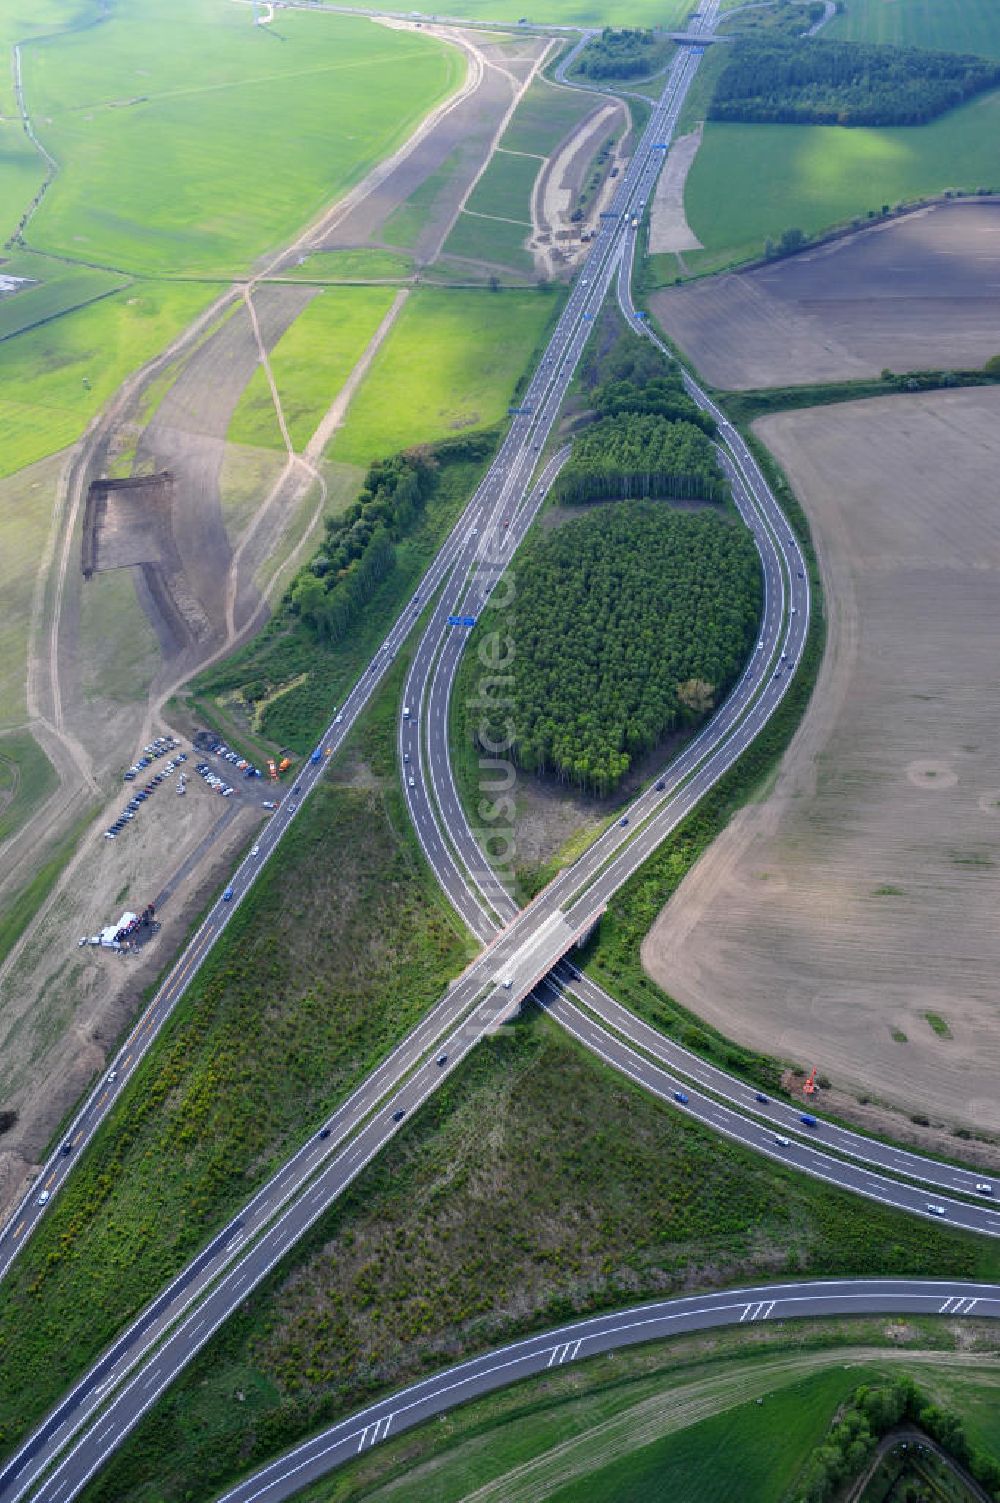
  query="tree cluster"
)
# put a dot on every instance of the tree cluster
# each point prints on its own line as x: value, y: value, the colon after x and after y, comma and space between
x: 663, y: 395
x: 618, y: 54
x: 788, y: 80
x: 631, y: 621
x: 359, y: 549
x: 644, y: 455
x: 871, y: 1413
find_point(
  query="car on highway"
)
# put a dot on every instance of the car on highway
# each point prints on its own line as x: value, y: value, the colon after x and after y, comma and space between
x: 781, y: 1141
x: 66, y: 1148
x: 624, y: 820
x: 759, y: 1096
x: 269, y: 804
x: 413, y: 781
x: 255, y: 850
x: 935, y: 1209
x: 442, y: 1059
x: 983, y: 1187
x: 680, y: 1096
x: 398, y: 1116
x: 324, y: 1132
x: 42, y: 1198
x: 660, y: 784
x: 296, y: 790
x: 227, y: 896
x: 808, y: 1120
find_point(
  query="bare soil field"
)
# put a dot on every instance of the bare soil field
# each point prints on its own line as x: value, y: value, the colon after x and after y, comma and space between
x: 63, y: 1007
x: 921, y: 292
x: 460, y: 142
x: 556, y: 240
x: 668, y: 226
x: 848, y: 920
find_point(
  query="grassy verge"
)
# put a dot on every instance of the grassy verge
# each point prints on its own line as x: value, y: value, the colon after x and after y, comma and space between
x: 534, y: 1185
x: 27, y: 777
x: 352, y: 266
x: 17, y: 915
x: 343, y: 944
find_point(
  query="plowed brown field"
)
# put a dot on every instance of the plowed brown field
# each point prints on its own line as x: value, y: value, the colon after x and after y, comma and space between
x: 862, y: 894
x: 917, y: 293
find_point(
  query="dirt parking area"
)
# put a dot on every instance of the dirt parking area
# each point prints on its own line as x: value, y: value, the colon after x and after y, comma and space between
x: 62, y: 1007
x: 849, y: 920
x: 917, y: 293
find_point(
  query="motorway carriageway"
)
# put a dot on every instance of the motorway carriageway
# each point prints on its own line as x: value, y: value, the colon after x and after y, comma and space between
x: 581, y: 1339
x: 473, y: 991
x: 472, y: 1005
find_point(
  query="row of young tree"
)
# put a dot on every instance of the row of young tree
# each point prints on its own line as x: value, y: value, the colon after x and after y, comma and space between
x: 630, y: 621
x: 644, y: 455
x: 872, y: 1412
x: 359, y: 549
x: 788, y: 80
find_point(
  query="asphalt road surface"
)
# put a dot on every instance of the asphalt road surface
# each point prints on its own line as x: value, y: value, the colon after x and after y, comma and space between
x: 589, y: 1338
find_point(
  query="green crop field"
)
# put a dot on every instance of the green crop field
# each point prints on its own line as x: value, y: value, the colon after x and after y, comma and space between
x: 55, y: 377
x: 60, y: 288
x: 21, y: 174
x: 950, y: 25
x: 581, y: 1193
x: 352, y: 266
x: 191, y: 141
x: 310, y: 364
x: 545, y: 116
x: 493, y: 243
x: 505, y: 187
x: 451, y: 363
x: 21, y: 20
x: 749, y: 182
x: 666, y: 13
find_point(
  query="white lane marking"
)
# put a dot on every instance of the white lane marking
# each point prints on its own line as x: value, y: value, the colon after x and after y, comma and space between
x: 565, y: 1352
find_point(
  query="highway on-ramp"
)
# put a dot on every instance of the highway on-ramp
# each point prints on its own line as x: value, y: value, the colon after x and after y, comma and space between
x: 581, y: 1339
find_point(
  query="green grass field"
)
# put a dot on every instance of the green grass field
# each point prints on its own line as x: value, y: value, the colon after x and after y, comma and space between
x: 27, y: 777
x: 310, y: 363
x: 55, y: 377
x: 193, y: 142
x: 21, y: 20
x: 25, y: 517
x: 22, y: 172
x: 352, y: 266
x: 583, y: 12
x: 949, y: 25
x: 61, y: 289
x: 343, y: 944
x: 505, y: 187
x: 494, y: 243
x: 451, y: 363
x: 545, y: 115
x: 533, y: 1186
x: 749, y: 182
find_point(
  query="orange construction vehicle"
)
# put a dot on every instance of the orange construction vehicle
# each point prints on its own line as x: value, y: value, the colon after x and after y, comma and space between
x: 809, y: 1086
x: 284, y: 764
x: 272, y: 771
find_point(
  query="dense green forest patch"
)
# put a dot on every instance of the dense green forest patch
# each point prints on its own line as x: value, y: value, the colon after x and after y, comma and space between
x: 629, y: 622
x: 788, y: 80
x: 533, y: 1186
x: 641, y: 454
x: 630, y: 53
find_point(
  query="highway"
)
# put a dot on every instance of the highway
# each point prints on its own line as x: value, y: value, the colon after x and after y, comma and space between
x: 100, y: 1411
x: 310, y: 1181
x: 581, y: 1339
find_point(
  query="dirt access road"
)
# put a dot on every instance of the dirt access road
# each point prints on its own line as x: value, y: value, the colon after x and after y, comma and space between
x: 849, y: 918
x: 921, y: 292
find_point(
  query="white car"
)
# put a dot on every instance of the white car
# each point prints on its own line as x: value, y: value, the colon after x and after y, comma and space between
x: 255, y: 850
x: 267, y: 804
x: 43, y: 1197
x: 935, y: 1209
x: 781, y: 1142
x: 983, y: 1187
